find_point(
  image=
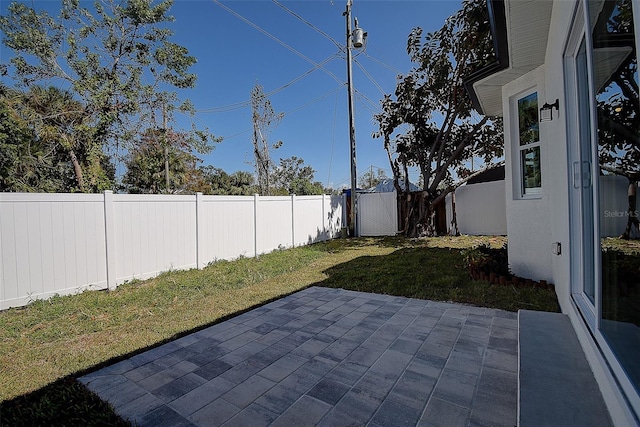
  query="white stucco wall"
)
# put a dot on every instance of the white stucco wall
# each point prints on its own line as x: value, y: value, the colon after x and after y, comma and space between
x: 528, y: 219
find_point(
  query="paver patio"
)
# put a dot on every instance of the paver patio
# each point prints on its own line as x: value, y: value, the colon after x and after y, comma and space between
x: 328, y: 357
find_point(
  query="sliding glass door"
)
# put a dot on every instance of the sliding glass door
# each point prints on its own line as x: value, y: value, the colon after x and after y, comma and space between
x: 604, y: 152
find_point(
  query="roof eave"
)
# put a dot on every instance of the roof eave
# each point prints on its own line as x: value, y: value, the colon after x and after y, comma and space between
x: 498, y: 24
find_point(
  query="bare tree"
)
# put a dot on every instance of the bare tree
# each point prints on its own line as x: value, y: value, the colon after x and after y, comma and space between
x: 264, y: 119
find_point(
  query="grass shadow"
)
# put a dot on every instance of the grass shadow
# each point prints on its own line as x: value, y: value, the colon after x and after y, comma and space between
x: 435, y: 274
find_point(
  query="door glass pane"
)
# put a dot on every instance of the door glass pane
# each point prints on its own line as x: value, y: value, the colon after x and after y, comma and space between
x: 584, y: 179
x: 615, y: 76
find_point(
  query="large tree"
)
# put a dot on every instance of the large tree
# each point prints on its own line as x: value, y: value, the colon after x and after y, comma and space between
x: 116, y: 57
x: 292, y: 176
x: 46, y: 145
x: 239, y: 183
x: 432, y: 103
x: 161, y: 163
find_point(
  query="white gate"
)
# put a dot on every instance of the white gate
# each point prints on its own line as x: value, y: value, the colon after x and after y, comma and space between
x: 378, y: 214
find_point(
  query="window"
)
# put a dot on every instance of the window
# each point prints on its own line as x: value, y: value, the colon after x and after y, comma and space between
x: 529, y: 145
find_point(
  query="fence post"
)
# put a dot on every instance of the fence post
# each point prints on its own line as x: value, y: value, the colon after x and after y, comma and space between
x: 199, y: 237
x: 324, y: 219
x: 256, y: 198
x: 344, y: 211
x: 2, y: 291
x: 110, y: 240
x: 293, y: 220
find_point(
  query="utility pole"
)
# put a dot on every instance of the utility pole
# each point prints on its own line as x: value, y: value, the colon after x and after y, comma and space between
x: 354, y: 39
x: 166, y: 147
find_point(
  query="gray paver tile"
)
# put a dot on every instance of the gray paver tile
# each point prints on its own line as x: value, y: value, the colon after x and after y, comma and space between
x: 163, y: 416
x: 406, y: 346
x: 393, y: 413
x: 506, y: 361
x: 493, y: 409
x: 98, y: 383
x: 201, y: 396
x: 252, y: 416
x: 137, y: 408
x: 203, y: 345
x: 215, y: 413
x: 246, y: 392
x: 347, y: 372
x: 329, y: 391
x: 365, y: 356
x: 353, y: 409
x: 244, y: 370
x: 374, y: 386
x: 178, y: 387
x: 413, y: 390
x: 456, y: 387
x: 310, y: 348
x: 391, y: 364
x: 278, y: 398
x: 440, y: 413
x: 307, y: 411
x: 123, y: 393
x: 282, y: 367
x: 505, y: 344
x: 465, y: 362
x: 212, y: 369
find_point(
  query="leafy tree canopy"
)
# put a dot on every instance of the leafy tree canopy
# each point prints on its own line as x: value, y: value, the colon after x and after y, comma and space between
x: 430, y: 101
x: 115, y: 57
x: 292, y: 176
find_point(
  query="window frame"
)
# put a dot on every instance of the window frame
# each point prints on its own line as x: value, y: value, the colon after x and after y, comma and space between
x: 523, y: 192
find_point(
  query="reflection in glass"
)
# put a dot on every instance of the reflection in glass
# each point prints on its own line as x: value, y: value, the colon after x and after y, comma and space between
x: 615, y: 76
x: 531, y: 177
x: 528, y: 123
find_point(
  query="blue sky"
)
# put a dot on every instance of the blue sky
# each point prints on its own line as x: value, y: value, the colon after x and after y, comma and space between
x: 233, y: 56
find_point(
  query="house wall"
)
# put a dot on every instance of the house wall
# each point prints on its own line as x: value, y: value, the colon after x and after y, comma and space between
x: 529, y: 244
x: 535, y: 225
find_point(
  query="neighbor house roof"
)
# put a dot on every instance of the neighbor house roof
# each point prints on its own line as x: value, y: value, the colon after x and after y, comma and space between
x: 520, y: 30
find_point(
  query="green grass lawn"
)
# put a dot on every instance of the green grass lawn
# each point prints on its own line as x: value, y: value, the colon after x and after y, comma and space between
x: 45, y: 346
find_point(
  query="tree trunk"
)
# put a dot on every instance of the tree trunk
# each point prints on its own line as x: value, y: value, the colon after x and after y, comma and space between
x: 632, y: 213
x: 454, y: 220
x: 78, y: 170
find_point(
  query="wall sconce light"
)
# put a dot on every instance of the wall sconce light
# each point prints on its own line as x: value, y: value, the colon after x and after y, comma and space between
x: 546, y: 111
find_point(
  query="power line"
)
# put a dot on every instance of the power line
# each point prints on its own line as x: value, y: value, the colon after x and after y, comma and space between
x: 315, y: 100
x: 370, y: 77
x: 246, y: 103
x: 277, y: 40
x: 341, y: 47
x: 305, y: 105
x: 384, y: 64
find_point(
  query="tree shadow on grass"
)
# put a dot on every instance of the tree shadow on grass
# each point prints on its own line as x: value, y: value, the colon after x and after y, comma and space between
x: 65, y: 402
x: 436, y: 274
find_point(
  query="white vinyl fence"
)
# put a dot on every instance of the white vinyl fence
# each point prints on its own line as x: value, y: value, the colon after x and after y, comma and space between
x: 480, y: 209
x: 378, y: 214
x: 65, y: 243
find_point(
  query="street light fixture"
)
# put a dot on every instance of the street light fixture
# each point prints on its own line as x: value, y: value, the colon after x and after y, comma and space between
x: 355, y: 39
